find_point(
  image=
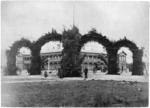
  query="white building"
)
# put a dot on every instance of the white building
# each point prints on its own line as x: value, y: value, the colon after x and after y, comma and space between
x: 23, y: 61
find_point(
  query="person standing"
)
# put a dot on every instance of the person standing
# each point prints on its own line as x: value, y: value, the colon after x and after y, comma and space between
x: 85, y: 73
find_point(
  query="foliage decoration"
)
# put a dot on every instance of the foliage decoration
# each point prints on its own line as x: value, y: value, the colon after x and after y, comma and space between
x: 112, y: 60
x: 137, y: 62
x: 12, y: 52
x: 103, y: 59
x: 71, y: 61
x: 36, y: 58
x: 112, y: 54
x: 96, y: 37
x: 125, y: 43
x: 137, y: 54
x: 71, y: 57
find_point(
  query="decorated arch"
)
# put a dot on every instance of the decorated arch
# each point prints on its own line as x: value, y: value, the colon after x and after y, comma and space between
x: 137, y: 54
x: 126, y: 43
x: 36, y: 48
x: 77, y: 41
x: 12, y: 52
x: 97, y: 37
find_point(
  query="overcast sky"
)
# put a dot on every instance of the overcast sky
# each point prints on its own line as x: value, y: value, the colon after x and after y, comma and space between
x: 113, y: 19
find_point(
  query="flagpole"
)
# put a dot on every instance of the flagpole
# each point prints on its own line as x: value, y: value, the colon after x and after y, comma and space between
x: 73, y: 15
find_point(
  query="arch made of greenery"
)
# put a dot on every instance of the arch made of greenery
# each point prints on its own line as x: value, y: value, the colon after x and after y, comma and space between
x: 12, y: 52
x: 96, y: 37
x: 36, y: 58
x: 137, y: 54
x: 111, y: 48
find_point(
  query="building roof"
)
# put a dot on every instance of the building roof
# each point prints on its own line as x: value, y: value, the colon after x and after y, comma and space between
x: 123, y: 52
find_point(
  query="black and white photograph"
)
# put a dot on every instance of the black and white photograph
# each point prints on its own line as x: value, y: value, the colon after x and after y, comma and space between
x: 74, y: 53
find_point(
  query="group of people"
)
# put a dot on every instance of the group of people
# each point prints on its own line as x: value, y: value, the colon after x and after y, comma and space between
x: 85, y: 73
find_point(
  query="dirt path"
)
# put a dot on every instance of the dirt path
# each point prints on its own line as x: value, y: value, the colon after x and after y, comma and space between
x: 39, y: 78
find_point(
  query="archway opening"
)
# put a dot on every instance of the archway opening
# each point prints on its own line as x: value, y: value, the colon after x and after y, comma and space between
x: 124, y: 61
x: 96, y: 57
x: 23, y: 61
x: 51, y: 56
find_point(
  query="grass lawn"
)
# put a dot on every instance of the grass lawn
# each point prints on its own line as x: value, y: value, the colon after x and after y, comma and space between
x: 75, y: 94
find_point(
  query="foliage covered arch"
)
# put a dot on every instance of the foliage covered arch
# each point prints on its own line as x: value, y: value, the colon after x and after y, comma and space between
x: 126, y: 43
x: 12, y: 52
x: 111, y: 48
x: 97, y: 37
x: 36, y: 58
x: 137, y: 54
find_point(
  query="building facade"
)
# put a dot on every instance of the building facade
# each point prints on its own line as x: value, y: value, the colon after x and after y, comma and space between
x: 23, y: 61
x: 122, y: 62
x: 50, y: 61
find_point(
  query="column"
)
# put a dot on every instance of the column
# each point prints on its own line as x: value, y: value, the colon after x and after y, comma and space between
x: 137, y: 62
x: 112, y: 60
x: 48, y: 64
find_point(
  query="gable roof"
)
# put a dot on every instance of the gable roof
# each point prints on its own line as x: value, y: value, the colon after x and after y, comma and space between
x: 123, y: 52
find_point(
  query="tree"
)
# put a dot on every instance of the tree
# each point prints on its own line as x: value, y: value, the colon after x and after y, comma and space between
x: 103, y: 59
x: 71, y: 57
